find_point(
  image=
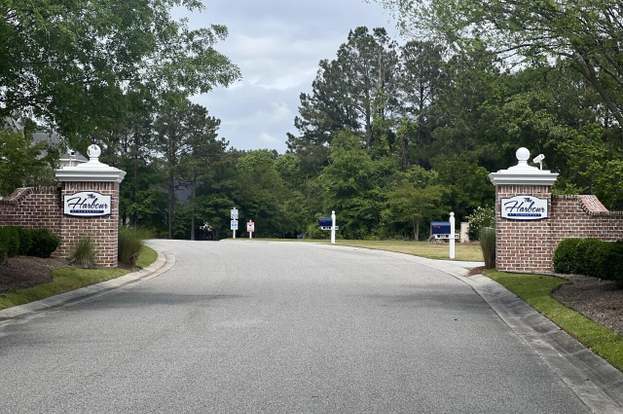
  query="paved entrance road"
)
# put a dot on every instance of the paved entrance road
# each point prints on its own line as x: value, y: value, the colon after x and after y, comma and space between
x: 277, y: 328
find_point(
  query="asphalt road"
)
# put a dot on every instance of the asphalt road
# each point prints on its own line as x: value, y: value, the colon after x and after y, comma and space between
x: 245, y: 327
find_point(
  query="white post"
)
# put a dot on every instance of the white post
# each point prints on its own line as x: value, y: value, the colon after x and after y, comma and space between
x: 333, y: 227
x: 234, y: 234
x: 250, y: 235
x: 452, y: 240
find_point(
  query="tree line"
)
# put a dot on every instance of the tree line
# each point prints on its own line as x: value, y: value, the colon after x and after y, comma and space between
x: 391, y: 134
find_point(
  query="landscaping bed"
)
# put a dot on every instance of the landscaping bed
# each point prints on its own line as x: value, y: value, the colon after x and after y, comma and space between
x: 26, y: 271
x: 599, y: 300
x: 538, y: 292
x: 50, y: 277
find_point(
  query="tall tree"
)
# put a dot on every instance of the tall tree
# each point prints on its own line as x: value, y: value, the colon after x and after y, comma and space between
x: 180, y: 129
x: 587, y: 33
x: 79, y: 64
x: 205, y: 150
x: 351, y: 92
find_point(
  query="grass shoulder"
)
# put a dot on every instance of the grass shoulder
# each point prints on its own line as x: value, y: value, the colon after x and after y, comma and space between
x: 464, y: 251
x: 65, y: 279
x: 536, y: 290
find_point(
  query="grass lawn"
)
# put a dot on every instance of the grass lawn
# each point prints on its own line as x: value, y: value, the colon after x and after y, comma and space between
x: 536, y: 291
x: 464, y: 251
x: 70, y: 278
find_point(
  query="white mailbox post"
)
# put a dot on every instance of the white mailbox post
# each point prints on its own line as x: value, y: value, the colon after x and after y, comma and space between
x: 452, y: 241
x: 333, y: 227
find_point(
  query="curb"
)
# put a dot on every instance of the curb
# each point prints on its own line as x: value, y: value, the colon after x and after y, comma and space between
x: 163, y: 263
x: 595, y: 382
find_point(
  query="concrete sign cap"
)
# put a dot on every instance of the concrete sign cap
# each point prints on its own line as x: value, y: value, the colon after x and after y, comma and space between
x: 92, y: 170
x: 523, y: 173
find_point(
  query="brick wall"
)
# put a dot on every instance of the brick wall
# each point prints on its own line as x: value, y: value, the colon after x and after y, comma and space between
x: 32, y: 208
x: 42, y: 208
x: 522, y: 246
x: 102, y: 230
x: 528, y: 246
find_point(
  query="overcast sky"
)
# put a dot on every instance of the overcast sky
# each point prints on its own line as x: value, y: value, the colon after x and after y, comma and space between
x: 277, y: 44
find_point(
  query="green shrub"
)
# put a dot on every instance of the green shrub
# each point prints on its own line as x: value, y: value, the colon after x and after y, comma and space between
x: 83, y: 253
x: 130, y: 244
x: 487, y: 244
x: 480, y: 218
x: 3, y: 255
x: 44, y: 242
x: 614, y: 262
x: 25, y: 240
x: 9, y: 240
x: 590, y: 257
x: 564, y: 256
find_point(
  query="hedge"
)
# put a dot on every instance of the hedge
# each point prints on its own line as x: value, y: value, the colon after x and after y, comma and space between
x: 27, y: 242
x: 590, y: 257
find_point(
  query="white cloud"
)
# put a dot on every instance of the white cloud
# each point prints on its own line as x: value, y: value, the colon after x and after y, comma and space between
x: 277, y: 44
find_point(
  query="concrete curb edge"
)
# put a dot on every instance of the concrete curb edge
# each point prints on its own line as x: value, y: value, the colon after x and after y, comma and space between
x: 163, y: 263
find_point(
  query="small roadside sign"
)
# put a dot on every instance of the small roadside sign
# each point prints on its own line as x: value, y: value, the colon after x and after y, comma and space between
x: 233, y: 225
x: 234, y: 213
x: 250, y: 226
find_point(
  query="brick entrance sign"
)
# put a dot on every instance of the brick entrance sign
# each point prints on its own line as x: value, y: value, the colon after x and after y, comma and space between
x: 530, y: 221
x: 85, y: 203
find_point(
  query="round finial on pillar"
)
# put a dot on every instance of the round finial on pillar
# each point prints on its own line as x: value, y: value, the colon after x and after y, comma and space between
x: 94, y: 151
x: 523, y: 155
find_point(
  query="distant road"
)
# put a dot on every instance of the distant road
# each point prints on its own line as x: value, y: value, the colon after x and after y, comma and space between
x: 248, y: 327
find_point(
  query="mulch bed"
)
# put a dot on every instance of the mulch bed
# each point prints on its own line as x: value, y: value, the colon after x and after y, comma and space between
x: 23, y: 272
x: 599, y: 300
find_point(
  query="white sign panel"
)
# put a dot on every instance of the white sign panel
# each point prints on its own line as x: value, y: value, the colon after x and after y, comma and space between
x: 234, y: 213
x: 524, y: 208
x: 86, y: 204
x: 250, y: 226
x: 233, y: 225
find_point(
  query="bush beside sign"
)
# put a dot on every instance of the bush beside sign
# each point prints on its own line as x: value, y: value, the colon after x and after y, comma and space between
x: 524, y: 208
x: 86, y: 204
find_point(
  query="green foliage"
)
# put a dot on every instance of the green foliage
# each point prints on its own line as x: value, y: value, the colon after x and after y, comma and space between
x: 590, y: 257
x: 83, y: 253
x: 536, y: 291
x: 10, y: 240
x: 480, y: 218
x: 130, y: 245
x: 25, y: 241
x: 86, y: 66
x: 414, y: 197
x: 21, y: 162
x: 44, y: 242
x: 564, y: 256
x: 487, y: 244
x: 28, y: 242
x: 353, y: 184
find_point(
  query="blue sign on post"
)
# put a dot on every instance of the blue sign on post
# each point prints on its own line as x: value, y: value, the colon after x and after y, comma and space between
x: 440, y: 230
x: 325, y: 223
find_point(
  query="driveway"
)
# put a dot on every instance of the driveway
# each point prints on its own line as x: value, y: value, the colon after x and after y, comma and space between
x: 245, y: 327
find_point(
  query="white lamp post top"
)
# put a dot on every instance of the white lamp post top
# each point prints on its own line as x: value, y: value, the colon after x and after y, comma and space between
x: 92, y: 170
x: 523, y: 173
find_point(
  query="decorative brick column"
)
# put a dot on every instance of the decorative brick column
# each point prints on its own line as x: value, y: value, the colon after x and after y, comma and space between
x: 523, y: 205
x: 90, y: 202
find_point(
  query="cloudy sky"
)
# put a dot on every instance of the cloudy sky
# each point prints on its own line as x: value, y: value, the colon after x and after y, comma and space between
x: 277, y: 45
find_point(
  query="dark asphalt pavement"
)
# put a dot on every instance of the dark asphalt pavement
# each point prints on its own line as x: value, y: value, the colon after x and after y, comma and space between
x: 249, y: 327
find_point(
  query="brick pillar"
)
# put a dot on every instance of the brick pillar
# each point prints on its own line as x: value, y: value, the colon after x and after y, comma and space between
x: 523, y: 204
x: 91, y: 214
